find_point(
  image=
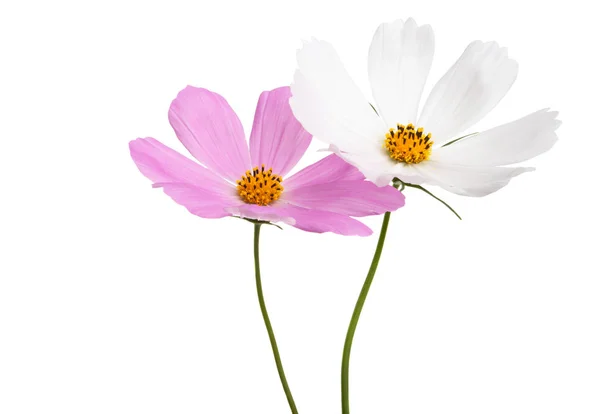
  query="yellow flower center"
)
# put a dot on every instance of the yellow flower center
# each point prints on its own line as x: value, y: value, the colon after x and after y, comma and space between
x: 259, y: 186
x: 407, y: 145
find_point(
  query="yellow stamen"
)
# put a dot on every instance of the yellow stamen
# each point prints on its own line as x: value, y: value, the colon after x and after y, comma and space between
x: 259, y: 186
x: 407, y: 145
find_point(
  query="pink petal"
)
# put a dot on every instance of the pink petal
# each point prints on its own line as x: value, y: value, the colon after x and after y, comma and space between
x: 314, y: 221
x: 329, y: 169
x: 199, y: 190
x: 277, y: 140
x: 353, y: 198
x: 200, y: 201
x: 273, y: 213
x: 211, y: 131
x: 162, y: 164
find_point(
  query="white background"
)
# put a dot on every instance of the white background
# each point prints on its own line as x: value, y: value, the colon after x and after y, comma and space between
x: 113, y: 299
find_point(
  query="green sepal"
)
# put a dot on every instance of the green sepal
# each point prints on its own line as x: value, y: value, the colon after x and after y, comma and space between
x: 254, y: 221
x: 397, y: 182
x: 458, y: 139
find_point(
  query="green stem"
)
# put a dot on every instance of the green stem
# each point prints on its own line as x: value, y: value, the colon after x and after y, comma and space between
x: 265, y: 315
x: 356, y: 315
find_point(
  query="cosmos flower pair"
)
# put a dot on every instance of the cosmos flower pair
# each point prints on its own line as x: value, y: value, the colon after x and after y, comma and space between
x: 392, y: 142
x: 372, y: 145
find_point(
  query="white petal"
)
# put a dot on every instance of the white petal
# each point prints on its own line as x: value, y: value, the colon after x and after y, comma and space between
x: 407, y: 173
x: 376, y: 166
x: 506, y: 144
x: 470, y: 89
x: 400, y: 57
x: 468, y: 180
x: 380, y: 168
x: 329, y: 105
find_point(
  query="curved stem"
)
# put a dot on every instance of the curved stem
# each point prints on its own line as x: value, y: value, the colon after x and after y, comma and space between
x: 265, y: 315
x: 356, y: 315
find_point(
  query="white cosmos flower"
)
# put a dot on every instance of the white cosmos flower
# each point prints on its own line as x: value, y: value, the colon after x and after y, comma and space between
x: 383, y: 145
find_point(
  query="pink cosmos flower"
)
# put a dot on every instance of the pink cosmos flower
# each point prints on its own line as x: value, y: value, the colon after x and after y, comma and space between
x: 251, y: 183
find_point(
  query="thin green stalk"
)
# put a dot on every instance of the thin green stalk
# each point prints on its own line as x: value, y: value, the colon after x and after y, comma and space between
x: 356, y: 315
x: 263, y: 310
